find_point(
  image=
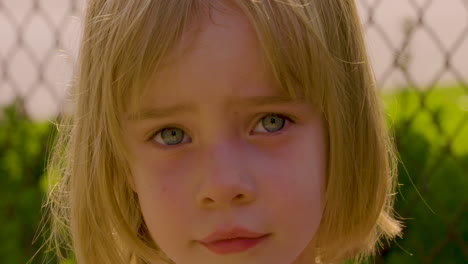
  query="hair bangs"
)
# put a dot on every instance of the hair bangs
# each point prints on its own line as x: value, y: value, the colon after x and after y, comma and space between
x: 290, y: 33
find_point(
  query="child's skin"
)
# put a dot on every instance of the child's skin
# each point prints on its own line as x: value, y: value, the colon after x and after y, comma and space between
x: 227, y: 170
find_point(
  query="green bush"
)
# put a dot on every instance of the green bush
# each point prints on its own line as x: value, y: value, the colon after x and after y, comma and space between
x: 23, y: 147
x: 432, y: 139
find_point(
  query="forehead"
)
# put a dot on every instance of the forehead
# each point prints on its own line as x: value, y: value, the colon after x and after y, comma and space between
x: 218, y: 55
x: 218, y: 27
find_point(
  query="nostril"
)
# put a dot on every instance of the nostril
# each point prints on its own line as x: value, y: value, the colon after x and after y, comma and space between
x: 239, y: 196
x: 208, y: 200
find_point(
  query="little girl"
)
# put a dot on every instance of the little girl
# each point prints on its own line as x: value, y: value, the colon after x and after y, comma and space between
x: 222, y: 132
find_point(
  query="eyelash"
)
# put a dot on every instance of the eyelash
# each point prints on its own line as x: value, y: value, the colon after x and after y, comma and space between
x: 280, y: 115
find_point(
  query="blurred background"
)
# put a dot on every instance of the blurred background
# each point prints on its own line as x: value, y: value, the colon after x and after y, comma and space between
x: 419, y: 53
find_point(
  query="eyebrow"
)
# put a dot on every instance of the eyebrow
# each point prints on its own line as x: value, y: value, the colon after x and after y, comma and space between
x: 164, y: 112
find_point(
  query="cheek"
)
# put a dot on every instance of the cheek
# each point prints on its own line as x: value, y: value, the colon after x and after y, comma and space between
x: 160, y: 175
x: 165, y: 211
x: 298, y: 180
x: 161, y: 180
x: 299, y: 166
x: 298, y: 183
x: 162, y: 193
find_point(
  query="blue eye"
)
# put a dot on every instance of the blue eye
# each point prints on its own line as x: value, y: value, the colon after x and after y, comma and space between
x: 170, y: 136
x: 273, y: 122
x: 269, y: 123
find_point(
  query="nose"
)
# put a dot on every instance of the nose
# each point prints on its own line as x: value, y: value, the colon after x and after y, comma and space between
x: 226, y: 178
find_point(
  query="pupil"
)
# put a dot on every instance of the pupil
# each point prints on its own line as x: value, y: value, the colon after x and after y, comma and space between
x: 272, y: 125
x: 172, y: 136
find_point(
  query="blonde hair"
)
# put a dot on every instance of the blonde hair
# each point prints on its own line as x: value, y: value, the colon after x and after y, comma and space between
x: 315, y: 50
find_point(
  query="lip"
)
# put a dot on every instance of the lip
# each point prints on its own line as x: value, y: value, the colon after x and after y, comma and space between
x: 232, y: 240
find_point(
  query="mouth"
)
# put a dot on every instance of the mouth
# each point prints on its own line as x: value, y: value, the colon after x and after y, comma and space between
x: 233, y: 240
x: 235, y: 245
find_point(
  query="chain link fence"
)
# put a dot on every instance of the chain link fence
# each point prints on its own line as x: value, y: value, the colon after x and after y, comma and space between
x: 440, y: 219
x: 37, y: 49
x: 415, y: 46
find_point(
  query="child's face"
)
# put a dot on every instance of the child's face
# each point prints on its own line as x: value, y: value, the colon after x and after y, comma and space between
x: 226, y: 167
